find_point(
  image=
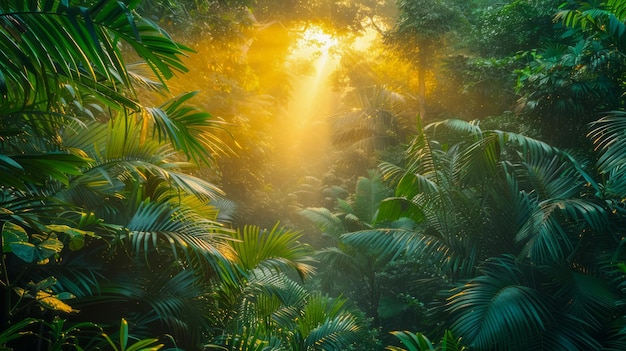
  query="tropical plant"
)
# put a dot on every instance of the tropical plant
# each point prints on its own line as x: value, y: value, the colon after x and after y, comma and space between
x: 419, y: 342
x: 374, y: 119
x: 569, y: 82
x: 532, y: 232
x: 123, y: 345
x: 568, y: 85
x: 503, y: 29
x: 265, y: 309
x: 380, y: 283
x: 16, y: 331
x: 417, y: 36
x: 438, y: 189
x: 94, y: 184
x: 348, y: 269
x: 603, y: 20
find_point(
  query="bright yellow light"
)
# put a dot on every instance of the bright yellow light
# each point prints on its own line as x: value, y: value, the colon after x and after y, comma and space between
x: 313, y: 43
x: 317, y: 38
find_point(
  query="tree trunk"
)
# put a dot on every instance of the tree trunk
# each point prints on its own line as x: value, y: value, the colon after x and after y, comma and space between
x: 421, y: 91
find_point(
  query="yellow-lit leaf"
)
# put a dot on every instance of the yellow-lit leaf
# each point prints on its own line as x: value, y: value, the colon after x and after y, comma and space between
x: 49, y: 247
x: 51, y: 302
x: 77, y: 236
x: 21, y: 292
x: 11, y: 234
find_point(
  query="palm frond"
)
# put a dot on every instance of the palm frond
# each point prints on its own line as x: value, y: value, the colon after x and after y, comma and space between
x: 570, y: 333
x: 248, y: 339
x: 546, y: 233
x: 120, y: 156
x: 369, y: 192
x: 551, y: 178
x: 290, y: 293
x: 48, y: 44
x: 342, y: 261
x: 335, y: 334
x: 604, y: 19
x: 277, y: 249
x: 498, y: 310
x: 162, y: 224
x: 38, y: 169
x: 189, y: 129
x: 608, y: 137
x: 226, y: 210
x: 477, y: 162
x: 383, y: 244
x: 79, y: 274
x: 414, y: 342
x: 592, y: 298
x: 455, y: 126
x: 176, y: 299
x: 325, y: 220
x: 328, y: 324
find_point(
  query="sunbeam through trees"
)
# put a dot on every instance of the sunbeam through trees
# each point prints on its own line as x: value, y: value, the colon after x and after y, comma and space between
x: 287, y: 175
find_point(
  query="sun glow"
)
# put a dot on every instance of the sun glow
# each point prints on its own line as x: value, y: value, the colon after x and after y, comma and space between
x: 316, y: 45
x: 317, y: 38
x: 320, y: 53
x: 313, y: 58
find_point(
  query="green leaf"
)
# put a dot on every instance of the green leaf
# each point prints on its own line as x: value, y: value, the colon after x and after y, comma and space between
x: 145, y: 345
x: 77, y: 236
x: 414, y: 342
x: 45, y: 284
x: 17, y: 330
x: 65, y: 296
x: 123, y: 334
x: 277, y: 249
x: 394, y: 208
x: 24, y: 250
x: 12, y: 234
x: 49, y: 247
x: 8, y: 162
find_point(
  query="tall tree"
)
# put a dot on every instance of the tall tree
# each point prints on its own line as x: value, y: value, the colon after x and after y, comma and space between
x: 419, y: 35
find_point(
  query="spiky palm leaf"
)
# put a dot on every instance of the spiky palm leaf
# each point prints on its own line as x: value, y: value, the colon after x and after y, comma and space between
x: 419, y: 342
x: 498, y: 192
x: 499, y: 303
x: 277, y: 249
x: 608, y: 137
x: 156, y: 225
x: 158, y: 299
x: 510, y: 298
x: 325, y: 323
x: 443, y: 196
x: 329, y: 223
x: 414, y: 342
x: 189, y: 129
x: 47, y: 44
x: 276, y: 313
x: 435, y: 190
x: 379, y: 121
x: 120, y: 157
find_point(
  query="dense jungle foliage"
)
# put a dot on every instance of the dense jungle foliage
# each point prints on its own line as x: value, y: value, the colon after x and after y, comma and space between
x: 312, y: 175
